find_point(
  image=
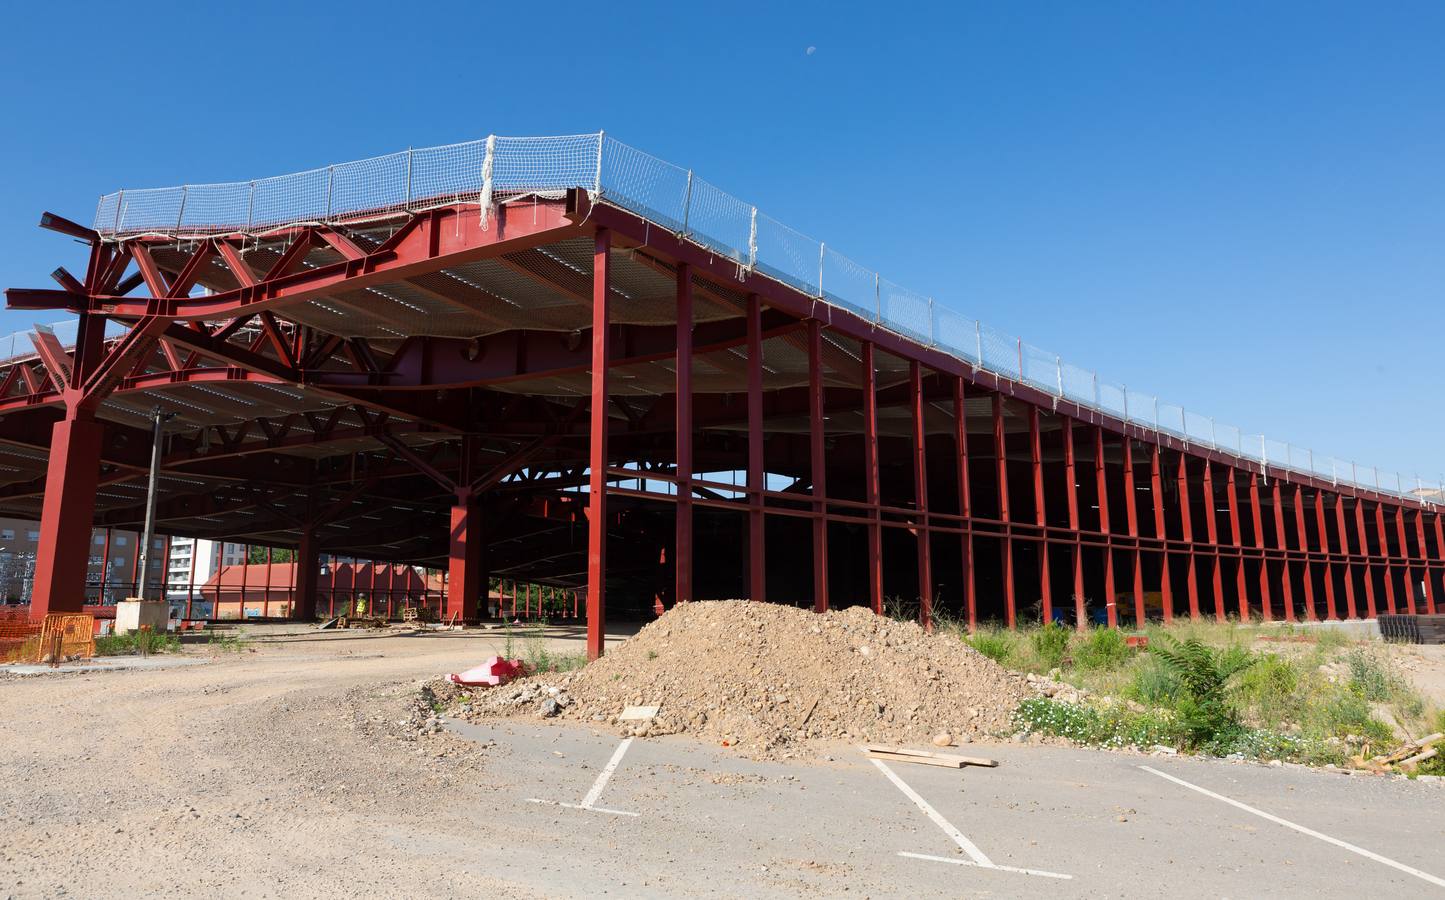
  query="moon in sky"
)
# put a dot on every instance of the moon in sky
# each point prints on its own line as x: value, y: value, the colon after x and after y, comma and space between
x: 811, y: 50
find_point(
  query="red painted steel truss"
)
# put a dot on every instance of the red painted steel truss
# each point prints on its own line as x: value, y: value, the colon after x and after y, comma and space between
x: 570, y: 394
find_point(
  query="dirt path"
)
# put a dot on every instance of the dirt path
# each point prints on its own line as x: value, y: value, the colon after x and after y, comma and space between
x: 269, y: 773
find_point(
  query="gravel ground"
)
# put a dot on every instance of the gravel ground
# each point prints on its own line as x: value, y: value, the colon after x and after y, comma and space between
x: 278, y: 772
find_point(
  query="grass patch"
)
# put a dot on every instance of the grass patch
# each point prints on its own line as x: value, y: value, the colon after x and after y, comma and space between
x: 226, y: 641
x: 538, y: 658
x: 1315, y: 696
x: 137, y: 643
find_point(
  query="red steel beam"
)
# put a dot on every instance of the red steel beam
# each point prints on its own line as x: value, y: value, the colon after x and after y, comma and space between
x: 1211, y: 531
x: 818, y: 465
x: 1106, y: 527
x: 1236, y: 537
x: 920, y: 496
x: 66, y: 513
x: 683, y: 557
x: 1385, y: 554
x: 597, y: 447
x: 1156, y: 483
x: 1186, y: 523
x: 870, y: 464
x: 1344, y: 533
x: 1282, y: 544
x: 757, y: 477
x: 1365, y: 552
x: 1304, y: 546
x: 1036, y: 461
x: 960, y: 438
x: 1000, y: 452
x: 1081, y: 613
x: 1265, y: 606
x: 1331, y: 611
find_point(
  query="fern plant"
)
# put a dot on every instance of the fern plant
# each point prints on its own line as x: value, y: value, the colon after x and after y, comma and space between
x: 1204, y: 712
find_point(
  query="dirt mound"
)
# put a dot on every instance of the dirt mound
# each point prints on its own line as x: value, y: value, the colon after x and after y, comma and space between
x: 764, y: 677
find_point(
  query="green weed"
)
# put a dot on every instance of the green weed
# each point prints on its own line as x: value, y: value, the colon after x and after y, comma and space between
x: 1050, y: 642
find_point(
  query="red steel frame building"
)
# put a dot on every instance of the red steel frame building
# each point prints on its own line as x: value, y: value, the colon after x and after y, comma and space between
x: 561, y: 392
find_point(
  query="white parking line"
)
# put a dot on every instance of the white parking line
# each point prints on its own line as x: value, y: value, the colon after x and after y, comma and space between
x: 589, y: 802
x: 1301, y: 829
x: 976, y: 856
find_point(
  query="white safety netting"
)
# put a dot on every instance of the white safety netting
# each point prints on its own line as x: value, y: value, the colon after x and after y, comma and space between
x: 489, y: 171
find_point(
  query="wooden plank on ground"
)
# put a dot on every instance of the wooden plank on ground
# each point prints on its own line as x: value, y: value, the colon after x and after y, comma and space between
x: 926, y: 757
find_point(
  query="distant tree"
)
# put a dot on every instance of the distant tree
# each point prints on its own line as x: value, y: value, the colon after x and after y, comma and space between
x: 257, y: 555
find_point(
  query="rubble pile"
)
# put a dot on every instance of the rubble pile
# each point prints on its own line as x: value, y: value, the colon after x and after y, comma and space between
x: 765, y: 677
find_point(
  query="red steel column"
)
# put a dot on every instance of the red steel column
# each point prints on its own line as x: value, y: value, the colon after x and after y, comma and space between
x: 464, y: 560
x: 1266, y: 607
x: 1236, y: 537
x: 870, y: 475
x: 1365, y: 552
x: 1131, y: 509
x: 1106, y: 527
x: 1425, y: 562
x: 71, y: 477
x: 1081, y: 613
x: 1000, y: 450
x: 1385, y: 554
x: 597, y: 476
x: 1405, y: 555
x: 1156, y: 480
x: 1036, y: 458
x: 266, y: 596
x: 1345, y: 552
x: 1186, y: 522
x: 1304, y: 545
x: 818, y: 463
x: 920, y: 495
x: 1322, y: 527
x: 1211, y: 531
x: 1286, y: 588
x: 682, y: 558
x: 960, y: 437
x: 308, y: 562
x: 757, y: 479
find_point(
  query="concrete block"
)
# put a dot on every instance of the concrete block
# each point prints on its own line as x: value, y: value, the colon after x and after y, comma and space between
x: 132, y: 615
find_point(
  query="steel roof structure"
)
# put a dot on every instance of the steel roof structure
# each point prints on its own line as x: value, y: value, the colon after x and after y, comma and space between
x: 521, y: 370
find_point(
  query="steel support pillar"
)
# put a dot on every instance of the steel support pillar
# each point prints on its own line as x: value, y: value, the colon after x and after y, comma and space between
x: 1331, y: 611
x: 1425, y: 562
x: 1385, y: 553
x: 1036, y: 465
x: 682, y: 556
x: 818, y: 464
x: 870, y: 464
x: 1000, y: 450
x: 1236, y: 538
x: 920, y: 495
x: 71, y: 477
x: 466, y: 578
x: 1186, y: 521
x: 1304, y: 545
x: 1266, y: 608
x: 757, y: 478
x: 1344, y: 532
x: 960, y: 437
x: 597, y: 448
x: 1156, y: 484
x: 1211, y: 532
x: 1101, y: 470
x: 1071, y: 482
x: 308, y: 570
x: 1365, y: 552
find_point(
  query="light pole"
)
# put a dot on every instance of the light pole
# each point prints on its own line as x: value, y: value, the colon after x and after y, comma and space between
x: 148, y: 536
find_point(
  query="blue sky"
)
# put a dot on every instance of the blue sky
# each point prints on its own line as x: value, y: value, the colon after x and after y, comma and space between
x: 1238, y: 207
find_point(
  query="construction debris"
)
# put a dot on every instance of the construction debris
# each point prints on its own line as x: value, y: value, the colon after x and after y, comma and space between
x: 1406, y: 757
x: 495, y: 671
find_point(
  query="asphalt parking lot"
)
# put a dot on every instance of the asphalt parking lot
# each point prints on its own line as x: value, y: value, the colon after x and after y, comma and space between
x: 669, y: 816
